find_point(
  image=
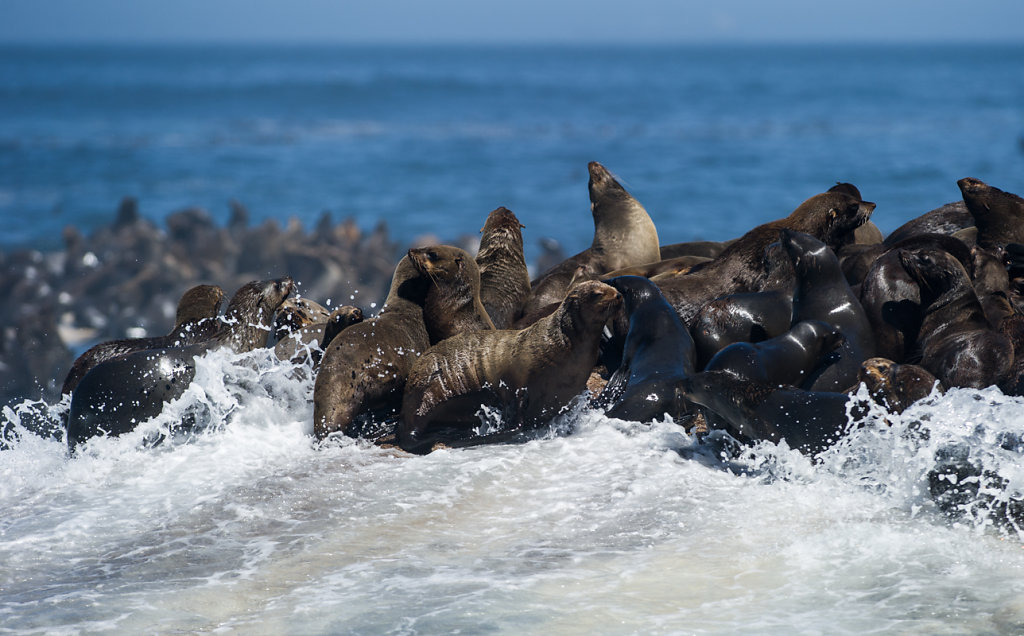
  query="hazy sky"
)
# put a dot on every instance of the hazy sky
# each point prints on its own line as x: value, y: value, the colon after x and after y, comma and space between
x: 589, y: 21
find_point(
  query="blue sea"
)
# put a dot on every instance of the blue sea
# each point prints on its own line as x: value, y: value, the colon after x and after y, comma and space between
x: 601, y: 526
x: 711, y: 139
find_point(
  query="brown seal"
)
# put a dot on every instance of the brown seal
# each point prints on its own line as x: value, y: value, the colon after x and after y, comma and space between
x: 504, y: 278
x: 745, y: 265
x: 118, y: 394
x: 527, y: 376
x: 452, y: 304
x: 363, y: 370
x: 193, y: 322
x: 624, y: 235
x: 959, y: 346
x: 999, y: 215
x: 896, y: 386
x: 662, y: 268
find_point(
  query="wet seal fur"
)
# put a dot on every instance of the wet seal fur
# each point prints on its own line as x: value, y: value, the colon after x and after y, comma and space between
x: 194, y: 322
x: 959, y: 346
x: 452, y: 304
x: 896, y: 386
x: 784, y: 359
x: 528, y: 376
x: 504, y: 277
x: 741, y: 317
x: 117, y: 395
x: 658, y: 353
x: 624, y: 236
x: 808, y: 421
x: 822, y: 293
x: 363, y: 370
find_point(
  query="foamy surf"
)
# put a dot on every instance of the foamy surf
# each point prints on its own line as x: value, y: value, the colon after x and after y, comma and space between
x: 247, y: 526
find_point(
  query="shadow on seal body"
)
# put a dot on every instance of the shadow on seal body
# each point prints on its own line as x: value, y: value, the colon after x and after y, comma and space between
x: 195, y: 321
x: 658, y: 353
x: 117, y: 395
x: 512, y: 380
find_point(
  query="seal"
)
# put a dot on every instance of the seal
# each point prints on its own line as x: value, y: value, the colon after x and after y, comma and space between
x: 744, y: 266
x: 809, y: 421
x: 363, y: 371
x: 452, y: 304
x: 742, y: 317
x: 946, y: 220
x: 504, y: 277
x: 896, y: 386
x: 958, y: 344
x: 657, y: 354
x: 193, y: 322
x: 784, y: 359
x: 822, y: 293
x: 120, y: 393
x: 998, y: 215
x: 624, y: 235
x: 703, y: 249
x: 891, y: 298
x: 526, y: 376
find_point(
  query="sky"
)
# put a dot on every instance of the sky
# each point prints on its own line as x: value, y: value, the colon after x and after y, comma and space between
x: 510, y: 21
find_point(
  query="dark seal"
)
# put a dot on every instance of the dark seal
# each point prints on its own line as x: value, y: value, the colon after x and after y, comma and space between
x: 523, y: 377
x: 959, y: 346
x: 809, y: 421
x: 999, y: 215
x: 896, y: 386
x: 657, y: 354
x: 784, y: 359
x: 194, y: 322
x: 123, y: 392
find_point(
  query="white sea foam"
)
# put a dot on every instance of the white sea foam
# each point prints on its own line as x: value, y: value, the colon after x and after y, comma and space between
x: 248, y: 526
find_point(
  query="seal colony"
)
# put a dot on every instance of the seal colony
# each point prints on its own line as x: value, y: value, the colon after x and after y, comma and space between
x: 767, y: 337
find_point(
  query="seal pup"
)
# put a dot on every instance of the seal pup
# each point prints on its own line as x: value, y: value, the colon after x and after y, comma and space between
x: 120, y: 393
x: 741, y: 317
x: 745, y: 265
x: 452, y: 304
x: 658, y: 352
x: 624, y: 235
x: 896, y: 386
x: 194, y: 322
x: 809, y: 421
x: 504, y: 277
x: 958, y: 344
x: 784, y: 359
x: 999, y: 215
x: 822, y: 293
x: 363, y: 370
x: 528, y: 376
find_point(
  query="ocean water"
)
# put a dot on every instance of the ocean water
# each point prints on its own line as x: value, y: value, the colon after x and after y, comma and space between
x: 598, y: 526
x: 712, y: 139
